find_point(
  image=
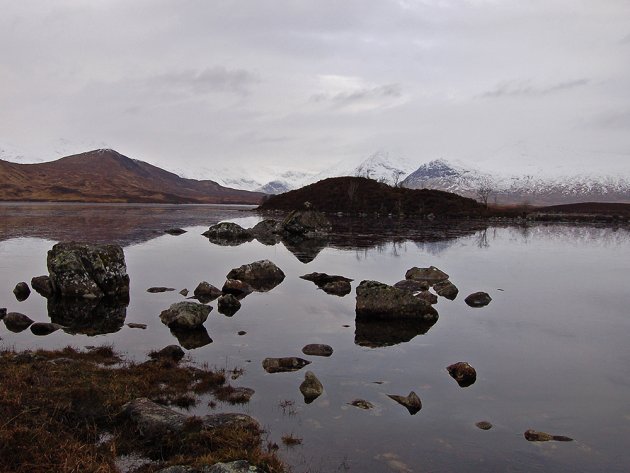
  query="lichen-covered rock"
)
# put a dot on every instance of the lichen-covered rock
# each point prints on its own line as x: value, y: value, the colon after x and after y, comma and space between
x: 283, y: 365
x: 463, y: 373
x: 185, y: 315
x: 431, y: 275
x: 42, y: 285
x: 411, y: 402
x: 206, y: 292
x: 376, y: 300
x: 478, y: 299
x: 228, y: 234
x: 228, y: 305
x: 238, y: 288
x: 317, y: 349
x: 311, y: 388
x: 21, y: 291
x: 87, y: 270
x: 446, y: 289
x: 262, y: 275
x: 306, y: 222
x: 16, y: 322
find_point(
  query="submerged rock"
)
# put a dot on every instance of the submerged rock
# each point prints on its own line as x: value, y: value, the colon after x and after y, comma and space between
x: 311, y: 388
x: 21, y: 291
x: 43, y: 328
x: 463, y: 373
x: 317, y: 349
x: 238, y: 288
x: 411, y: 402
x: 42, y: 285
x: 206, y: 292
x: 16, y: 322
x: 362, y: 404
x: 262, y: 275
x: 376, y: 300
x: 228, y: 234
x: 283, y: 365
x: 430, y: 275
x: 169, y: 352
x: 478, y: 299
x: 446, y: 289
x: 228, y: 305
x: 87, y: 270
x: 535, y: 436
x: 185, y: 315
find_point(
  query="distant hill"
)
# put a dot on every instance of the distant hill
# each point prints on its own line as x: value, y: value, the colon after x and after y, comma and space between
x: 105, y: 175
x: 362, y: 195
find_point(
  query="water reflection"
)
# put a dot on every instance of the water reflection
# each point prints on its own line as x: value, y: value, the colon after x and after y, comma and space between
x: 192, y: 338
x: 379, y: 333
x: 88, y: 316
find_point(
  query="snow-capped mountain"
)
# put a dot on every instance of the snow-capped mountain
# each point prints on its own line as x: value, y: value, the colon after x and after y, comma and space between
x: 536, y: 188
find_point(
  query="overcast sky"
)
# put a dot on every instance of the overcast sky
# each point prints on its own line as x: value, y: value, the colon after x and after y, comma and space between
x: 305, y: 84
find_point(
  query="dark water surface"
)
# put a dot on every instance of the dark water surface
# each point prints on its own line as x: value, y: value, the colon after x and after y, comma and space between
x: 551, y: 350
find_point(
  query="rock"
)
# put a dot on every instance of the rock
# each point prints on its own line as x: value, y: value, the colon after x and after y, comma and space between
x: 184, y: 292
x: 88, y: 316
x: 362, y: 404
x: 3, y: 312
x: 175, y: 231
x: 311, y: 388
x: 384, y: 333
x: 267, y: 231
x: 307, y: 223
x: 261, y: 275
x: 239, y: 395
x: 191, y: 338
x: 152, y: 419
x: 463, y: 373
x: 42, y: 328
x: 86, y: 270
x: 228, y: 234
x: 228, y: 305
x: 16, y: 322
x: 411, y: 402
x: 446, y: 289
x: 185, y: 315
x: 376, y: 300
x: 412, y: 285
x: 483, y: 425
x: 135, y: 325
x: 323, y: 278
x: 430, y: 275
x: 239, y: 466
x: 237, y: 287
x: 535, y: 436
x: 337, y: 288
x: 180, y: 469
x: 427, y: 296
x: 478, y: 299
x: 317, y: 349
x: 21, y: 291
x: 154, y: 290
x: 169, y: 352
x: 43, y: 286
x: 206, y: 292
x: 241, y: 332
x: 331, y: 284
x: 283, y: 365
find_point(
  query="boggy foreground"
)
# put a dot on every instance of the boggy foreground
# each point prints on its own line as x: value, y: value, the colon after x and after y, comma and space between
x: 72, y: 410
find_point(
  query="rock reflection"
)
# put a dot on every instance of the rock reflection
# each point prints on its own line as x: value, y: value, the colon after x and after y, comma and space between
x: 192, y: 338
x: 385, y: 333
x: 88, y: 316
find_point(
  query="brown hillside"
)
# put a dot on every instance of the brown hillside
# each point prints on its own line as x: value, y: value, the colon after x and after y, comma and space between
x: 361, y: 195
x: 108, y: 176
x: 595, y: 208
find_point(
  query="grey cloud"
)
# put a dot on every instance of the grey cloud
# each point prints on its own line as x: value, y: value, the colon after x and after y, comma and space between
x: 343, y: 99
x: 618, y: 119
x: 525, y: 88
x: 625, y: 39
x: 209, y: 80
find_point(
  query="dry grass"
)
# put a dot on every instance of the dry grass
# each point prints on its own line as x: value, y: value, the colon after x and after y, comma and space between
x: 55, y: 407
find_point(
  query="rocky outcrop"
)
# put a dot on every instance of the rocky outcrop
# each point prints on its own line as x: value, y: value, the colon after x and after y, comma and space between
x: 376, y: 300
x: 21, y: 291
x: 307, y: 223
x: 411, y: 402
x: 463, y: 373
x: 261, y: 275
x: 283, y: 365
x: 317, y: 349
x: 430, y: 275
x: 228, y: 305
x: 228, y: 234
x: 331, y: 284
x: 478, y: 299
x: 311, y: 388
x: 446, y: 289
x: 87, y: 270
x: 185, y: 315
x: 206, y: 292
x: 535, y: 436
x: 16, y: 322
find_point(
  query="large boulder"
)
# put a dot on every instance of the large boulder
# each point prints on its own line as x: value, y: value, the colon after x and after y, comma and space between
x: 431, y: 275
x: 376, y: 300
x: 228, y: 234
x: 306, y: 222
x: 87, y: 270
x: 185, y: 315
x: 261, y: 275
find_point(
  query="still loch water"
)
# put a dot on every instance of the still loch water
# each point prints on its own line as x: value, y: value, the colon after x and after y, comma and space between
x: 551, y: 350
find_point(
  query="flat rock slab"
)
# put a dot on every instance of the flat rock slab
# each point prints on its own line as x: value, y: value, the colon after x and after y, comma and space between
x: 283, y: 365
x: 239, y: 466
